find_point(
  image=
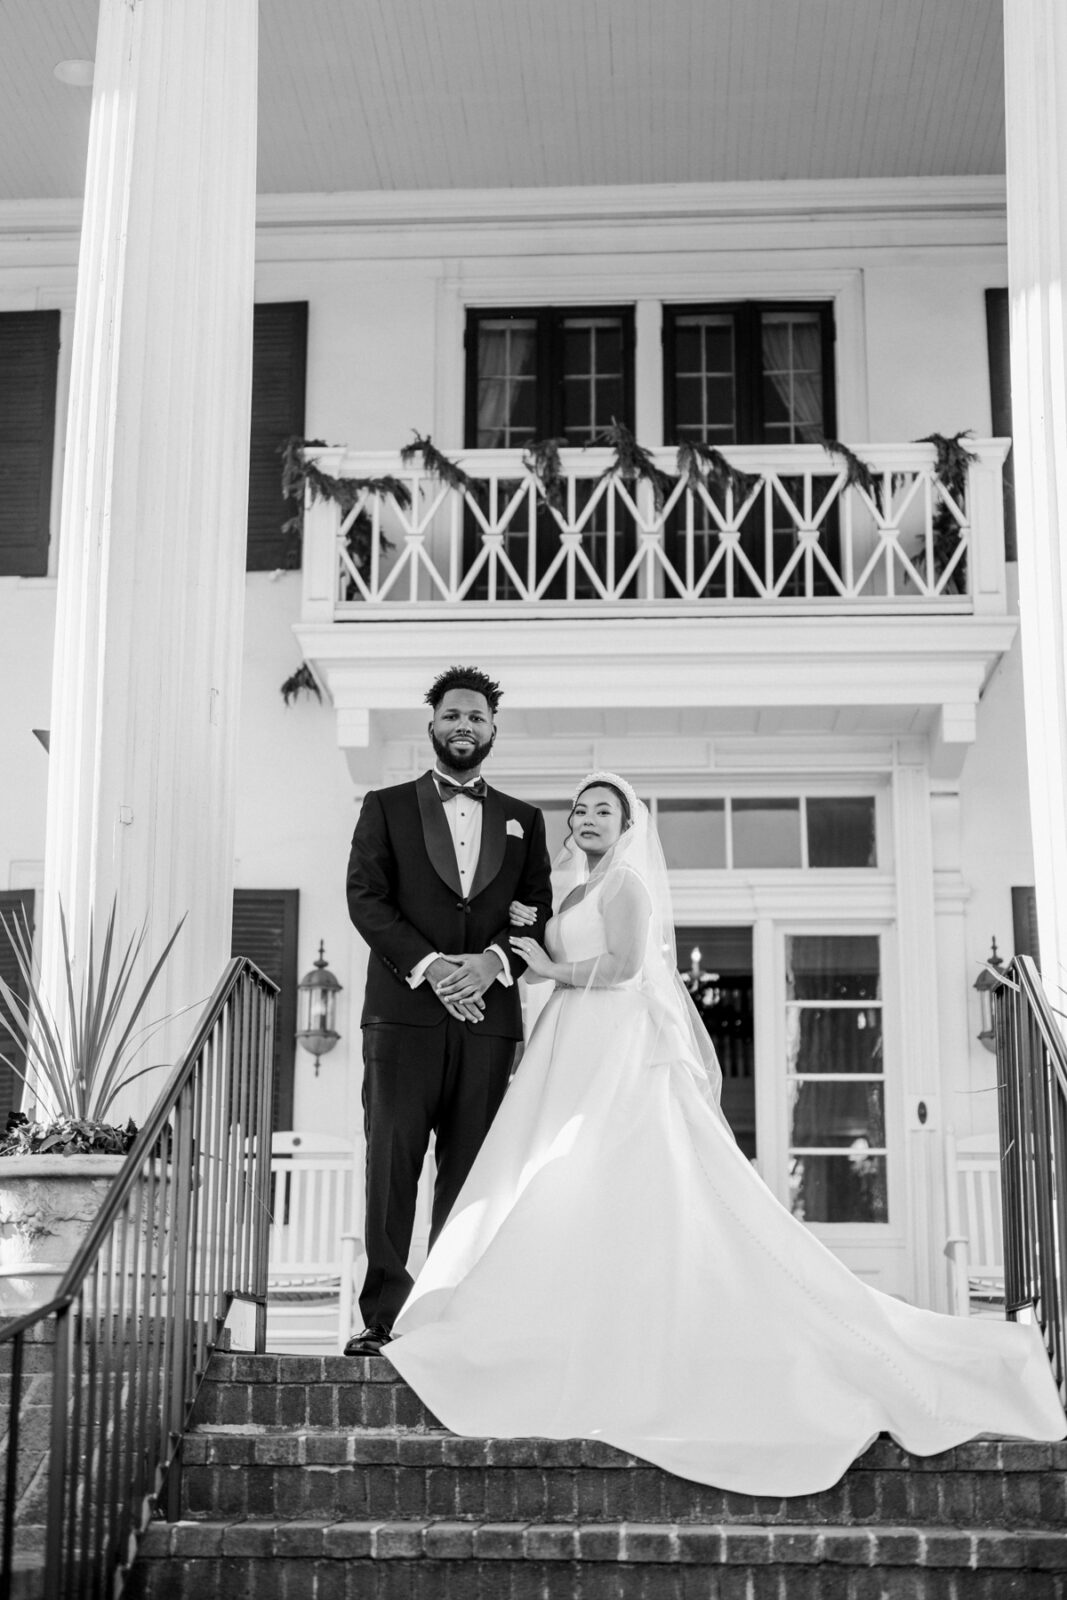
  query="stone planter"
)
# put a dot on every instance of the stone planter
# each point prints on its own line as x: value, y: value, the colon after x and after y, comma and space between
x: 47, y: 1204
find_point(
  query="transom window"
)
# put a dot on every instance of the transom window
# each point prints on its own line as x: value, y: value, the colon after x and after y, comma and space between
x: 793, y: 831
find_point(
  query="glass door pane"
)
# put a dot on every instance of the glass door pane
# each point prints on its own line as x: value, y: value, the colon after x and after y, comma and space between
x: 716, y: 967
x: 835, y: 1079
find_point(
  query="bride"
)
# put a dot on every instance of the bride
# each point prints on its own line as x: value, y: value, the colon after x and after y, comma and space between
x: 614, y: 1269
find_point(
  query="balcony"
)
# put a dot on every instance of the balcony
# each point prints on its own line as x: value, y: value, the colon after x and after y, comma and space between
x: 789, y: 600
x: 792, y: 535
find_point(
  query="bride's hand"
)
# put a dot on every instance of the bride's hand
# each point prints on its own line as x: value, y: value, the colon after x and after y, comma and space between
x: 535, y: 958
x: 521, y: 916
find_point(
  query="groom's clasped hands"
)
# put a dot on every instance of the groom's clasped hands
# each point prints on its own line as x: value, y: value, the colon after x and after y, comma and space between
x: 460, y: 981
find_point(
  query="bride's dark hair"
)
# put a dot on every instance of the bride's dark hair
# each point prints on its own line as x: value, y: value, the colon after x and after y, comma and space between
x: 599, y: 783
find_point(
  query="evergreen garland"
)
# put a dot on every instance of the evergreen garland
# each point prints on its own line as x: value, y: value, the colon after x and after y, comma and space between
x: 302, y: 681
x: 858, y: 475
x: 698, y: 462
x: 541, y: 460
x: 299, y: 474
x: 438, y: 464
x: 952, y: 459
x: 633, y: 462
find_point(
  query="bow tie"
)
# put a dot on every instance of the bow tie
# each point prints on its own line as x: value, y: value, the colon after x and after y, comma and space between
x: 448, y: 790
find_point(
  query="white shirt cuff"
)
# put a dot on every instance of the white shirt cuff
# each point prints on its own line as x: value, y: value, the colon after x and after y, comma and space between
x: 418, y: 973
x: 504, y: 975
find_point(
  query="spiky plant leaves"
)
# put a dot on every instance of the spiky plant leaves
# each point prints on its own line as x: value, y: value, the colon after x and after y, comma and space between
x: 80, y: 1067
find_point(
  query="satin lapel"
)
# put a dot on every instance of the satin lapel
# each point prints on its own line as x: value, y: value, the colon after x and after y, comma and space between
x: 494, y: 838
x: 439, y: 845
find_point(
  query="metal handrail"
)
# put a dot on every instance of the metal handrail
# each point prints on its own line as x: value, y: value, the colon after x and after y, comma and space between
x: 1032, y: 1097
x: 126, y: 1336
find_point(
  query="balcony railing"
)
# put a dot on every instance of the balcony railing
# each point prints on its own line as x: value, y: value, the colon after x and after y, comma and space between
x: 796, y: 535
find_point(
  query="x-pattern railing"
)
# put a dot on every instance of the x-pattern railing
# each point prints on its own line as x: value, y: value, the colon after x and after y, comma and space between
x: 796, y: 527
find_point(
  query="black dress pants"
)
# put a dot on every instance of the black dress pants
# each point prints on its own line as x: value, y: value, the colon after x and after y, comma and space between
x: 448, y: 1080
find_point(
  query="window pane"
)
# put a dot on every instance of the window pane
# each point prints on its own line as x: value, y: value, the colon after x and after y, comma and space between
x: 848, y: 1188
x: 846, y: 1040
x: 687, y: 348
x: 577, y: 351
x: 832, y: 967
x: 766, y: 833
x: 851, y: 1115
x: 506, y: 382
x: 693, y: 832
x: 841, y: 832
x: 720, y: 403
x: 792, y: 370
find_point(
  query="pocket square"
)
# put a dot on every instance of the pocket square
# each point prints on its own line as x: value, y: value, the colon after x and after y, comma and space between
x: 514, y: 828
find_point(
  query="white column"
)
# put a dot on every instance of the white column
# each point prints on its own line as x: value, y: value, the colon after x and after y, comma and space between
x: 1035, y: 58
x: 918, y: 1028
x: 152, y: 541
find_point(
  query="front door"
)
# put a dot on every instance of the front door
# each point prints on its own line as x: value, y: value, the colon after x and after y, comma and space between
x: 797, y: 1017
x: 716, y: 967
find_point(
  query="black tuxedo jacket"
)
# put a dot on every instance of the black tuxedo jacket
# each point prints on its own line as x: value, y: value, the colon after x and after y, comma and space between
x: 405, y: 899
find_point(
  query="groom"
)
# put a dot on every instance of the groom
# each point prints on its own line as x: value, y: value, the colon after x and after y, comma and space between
x: 434, y: 866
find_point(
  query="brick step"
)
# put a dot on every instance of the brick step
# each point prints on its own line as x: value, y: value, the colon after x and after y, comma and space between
x: 234, y: 1472
x: 446, y: 1560
x: 316, y: 1391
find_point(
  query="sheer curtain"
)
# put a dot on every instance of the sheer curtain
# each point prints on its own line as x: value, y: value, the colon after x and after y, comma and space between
x: 792, y: 358
x: 505, y: 352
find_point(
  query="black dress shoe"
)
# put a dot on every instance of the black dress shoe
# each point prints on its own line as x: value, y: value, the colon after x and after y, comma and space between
x: 368, y: 1343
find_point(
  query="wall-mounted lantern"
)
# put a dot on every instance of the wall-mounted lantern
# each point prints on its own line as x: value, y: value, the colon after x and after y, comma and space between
x: 987, y: 984
x: 316, y: 1009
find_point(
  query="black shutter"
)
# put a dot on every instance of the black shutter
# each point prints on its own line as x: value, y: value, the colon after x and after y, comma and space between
x: 1024, y: 922
x: 265, y: 930
x: 29, y: 356
x: 16, y: 905
x: 999, y: 344
x: 279, y: 369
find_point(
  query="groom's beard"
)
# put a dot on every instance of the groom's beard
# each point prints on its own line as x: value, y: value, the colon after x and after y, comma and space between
x: 458, y: 760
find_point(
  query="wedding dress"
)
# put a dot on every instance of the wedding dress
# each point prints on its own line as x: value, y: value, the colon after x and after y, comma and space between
x: 614, y: 1269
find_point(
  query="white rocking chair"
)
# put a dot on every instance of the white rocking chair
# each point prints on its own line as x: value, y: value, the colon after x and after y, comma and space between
x: 975, y: 1245
x: 316, y: 1182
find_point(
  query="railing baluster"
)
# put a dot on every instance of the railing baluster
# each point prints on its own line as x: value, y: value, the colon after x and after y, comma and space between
x: 1032, y: 1077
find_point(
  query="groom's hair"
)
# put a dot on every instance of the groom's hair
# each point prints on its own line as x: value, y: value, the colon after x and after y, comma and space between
x: 464, y: 678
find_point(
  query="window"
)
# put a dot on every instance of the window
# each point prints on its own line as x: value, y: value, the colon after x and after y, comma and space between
x: 836, y: 1084
x: 29, y: 357
x: 553, y: 373
x: 692, y: 832
x: 559, y: 373
x: 749, y: 374
x: 265, y: 930
x: 279, y: 364
x: 16, y: 906
x: 768, y: 831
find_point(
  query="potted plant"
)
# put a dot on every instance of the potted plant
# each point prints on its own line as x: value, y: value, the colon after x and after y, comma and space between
x: 55, y: 1168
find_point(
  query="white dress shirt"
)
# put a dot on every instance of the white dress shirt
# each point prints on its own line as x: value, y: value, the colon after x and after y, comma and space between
x: 464, y: 818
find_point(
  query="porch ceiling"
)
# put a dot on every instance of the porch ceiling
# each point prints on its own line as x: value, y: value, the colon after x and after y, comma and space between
x: 385, y: 95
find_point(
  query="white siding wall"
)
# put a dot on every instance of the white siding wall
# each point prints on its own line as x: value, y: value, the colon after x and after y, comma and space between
x: 385, y: 357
